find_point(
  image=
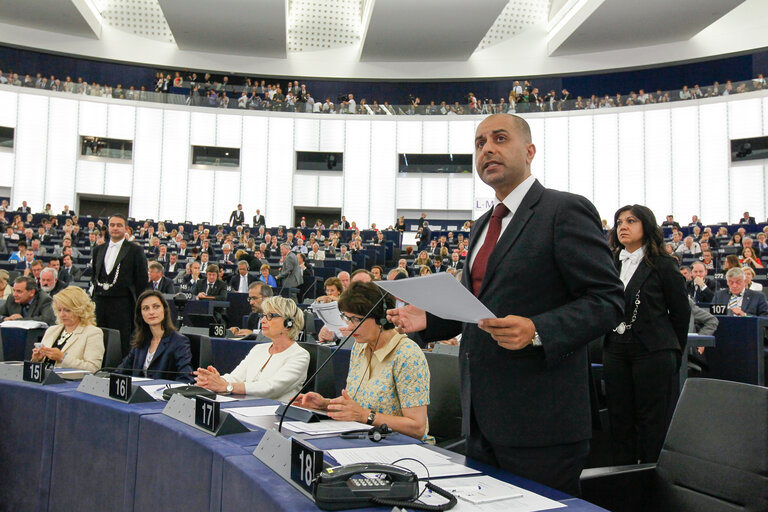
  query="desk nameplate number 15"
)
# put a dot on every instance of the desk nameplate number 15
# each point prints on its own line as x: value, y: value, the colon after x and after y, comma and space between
x: 120, y: 387
x: 33, y: 372
x: 306, y: 463
x: 207, y: 413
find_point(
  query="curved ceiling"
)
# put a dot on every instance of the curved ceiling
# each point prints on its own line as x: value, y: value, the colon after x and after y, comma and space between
x: 389, y: 39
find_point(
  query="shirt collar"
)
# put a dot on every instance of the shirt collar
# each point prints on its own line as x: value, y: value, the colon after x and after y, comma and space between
x: 382, y: 352
x: 514, y: 198
x: 633, y: 257
x: 116, y: 244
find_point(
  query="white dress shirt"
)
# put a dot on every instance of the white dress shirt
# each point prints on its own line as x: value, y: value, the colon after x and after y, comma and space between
x: 629, y: 263
x: 512, y: 201
x: 280, y: 379
x: 112, y: 251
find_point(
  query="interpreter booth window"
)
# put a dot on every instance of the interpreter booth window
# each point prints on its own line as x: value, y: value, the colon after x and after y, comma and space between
x: 319, y: 161
x: 753, y: 148
x: 215, y: 156
x: 101, y: 147
x: 449, y: 163
x: 6, y: 137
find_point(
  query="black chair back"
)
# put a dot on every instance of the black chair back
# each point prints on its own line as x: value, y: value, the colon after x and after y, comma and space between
x: 113, y: 354
x: 444, y: 411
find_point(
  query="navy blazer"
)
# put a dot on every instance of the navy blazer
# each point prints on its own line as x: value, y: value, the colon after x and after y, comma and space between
x: 754, y: 303
x: 173, y: 354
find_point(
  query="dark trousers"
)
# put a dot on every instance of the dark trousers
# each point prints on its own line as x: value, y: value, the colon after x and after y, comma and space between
x: 642, y: 389
x: 116, y: 313
x: 557, y: 466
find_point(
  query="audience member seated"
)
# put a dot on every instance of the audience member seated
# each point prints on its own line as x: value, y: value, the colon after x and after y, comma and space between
x: 266, y: 277
x: 706, y: 259
x: 26, y: 303
x: 242, y: 279
x: 211, y: 288
x: 741, y: 302
x: 746, y: 219
x: 689, y: 247
x: 75, y: 341
x: 388, y: 380
x: 157, y: 350
x: 749, y: 276
x: 762, y: 244
x: 257, y: 292
x: 157, y: 281
x: 275, y: 370
x: 189, y: 278
x: 736, y: 240
x: 49, y: 281
x: 749, y: 259
x: 731, y: 261
x: 5, y: 288
x: 700, y: 288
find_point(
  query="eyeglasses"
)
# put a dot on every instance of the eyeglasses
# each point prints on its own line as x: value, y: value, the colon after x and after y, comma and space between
x: 354, y: 320
x: 270, y: 316
x: 253, y: 299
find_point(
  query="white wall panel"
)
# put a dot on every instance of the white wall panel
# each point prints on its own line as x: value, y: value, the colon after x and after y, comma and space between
x: 556, y: 150
x: 460, y: 192
x: 538, y: 168
x: 90, y: 180
x: 31, y: 149
x: 147, y: 163
x: 745, y: 118
x: 714, y: 157
x: 435, y: 137
x: 409, y: 137
x: 434, y: 193
x: 357, y: 172
x: 202, y: 131
x: 8, y: 108
x: 63, y: 145
x: 253, y: 166
x: 383, y: 173
x: 765, y: 116
x: 228, y: 130
x: 280, y: 164
x: 747, y: 192
x: 93, y: 119
x: 305, y: 189
x: 461, y: 137
x: 631, y: 158
x: 658, y: 163
x: 121, y: 121
x: 606, y: 165
x: 685, y: 162
x: 224, y: 193
x: 329, y: 192
x: 408, y: 193
x: 118, y: 179
x: 200, y: 196
x: 307, y: 136
x: 580, y: 156
x: 331, y: 135
x: 175, y: 165
x: 6, y: 169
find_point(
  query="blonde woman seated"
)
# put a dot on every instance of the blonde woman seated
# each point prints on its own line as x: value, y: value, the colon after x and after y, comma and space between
x: 274, y: 370
x: 5, y: 290
x: 75, y: 341
x: 388, y: 380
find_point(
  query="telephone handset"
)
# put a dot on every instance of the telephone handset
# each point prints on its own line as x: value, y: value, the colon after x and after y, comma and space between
x: 343, y: 487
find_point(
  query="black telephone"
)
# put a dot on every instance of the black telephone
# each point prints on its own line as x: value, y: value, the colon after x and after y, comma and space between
x: 343, y: 487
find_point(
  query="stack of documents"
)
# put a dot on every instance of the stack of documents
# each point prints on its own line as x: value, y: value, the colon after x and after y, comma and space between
x: 486, y: 494
x: 437, y: 463
x: 324, y: 427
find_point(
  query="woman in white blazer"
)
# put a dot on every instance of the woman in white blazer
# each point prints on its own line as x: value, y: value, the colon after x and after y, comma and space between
x: 75, y: 341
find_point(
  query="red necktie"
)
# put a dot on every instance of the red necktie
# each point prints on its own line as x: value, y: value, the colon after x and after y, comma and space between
x: 481, y: 258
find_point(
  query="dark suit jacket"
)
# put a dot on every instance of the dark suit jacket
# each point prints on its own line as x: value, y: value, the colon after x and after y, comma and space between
x: 538, y: 396
x: 40, y: 309
x: 132, y: 279
x: 219, y: 290
x: 234, y: 283
x: 237, y: 217
x: 754, y: 303
x: 74, y: 273
x: 663, y: 313
x: 166, y: 285
x: 750, y: 220
x: 258, y: 220
x: 173, y: 354
x: 704, y: 295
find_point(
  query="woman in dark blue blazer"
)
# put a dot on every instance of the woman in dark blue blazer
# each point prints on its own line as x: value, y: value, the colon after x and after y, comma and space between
x: 157, y: 350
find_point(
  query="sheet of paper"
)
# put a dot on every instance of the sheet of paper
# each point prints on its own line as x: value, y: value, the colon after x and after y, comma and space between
x: 324, y: 427
x: 254, y: 412
x: 438, y: 465
x: 330, y: 315
x: 156, y: 390
x: 140, y: 379
x: 25, y: 324
x: 486, y: 494
x: 224, y: 398
x: 440, y: 294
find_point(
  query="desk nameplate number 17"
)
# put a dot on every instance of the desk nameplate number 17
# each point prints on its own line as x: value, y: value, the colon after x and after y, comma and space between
x: 306, y: 463
x: 207, y: 413
x: 33, y: 372
x: 120, y: 387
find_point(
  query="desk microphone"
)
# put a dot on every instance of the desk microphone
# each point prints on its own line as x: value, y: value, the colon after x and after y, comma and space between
x: 306, y: 383
x: 104, y: 372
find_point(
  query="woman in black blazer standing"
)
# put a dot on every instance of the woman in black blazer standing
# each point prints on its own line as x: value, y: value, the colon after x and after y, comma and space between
x: 642, y: 355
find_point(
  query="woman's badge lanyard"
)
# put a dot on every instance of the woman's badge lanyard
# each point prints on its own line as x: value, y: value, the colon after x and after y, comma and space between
x: 623, y: 327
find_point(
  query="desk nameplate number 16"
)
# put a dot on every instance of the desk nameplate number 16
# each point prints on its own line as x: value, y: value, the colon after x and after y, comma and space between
x: 120, y: 387
x: 33, y: 372
x: 306, y: 464
x: 207, y: 413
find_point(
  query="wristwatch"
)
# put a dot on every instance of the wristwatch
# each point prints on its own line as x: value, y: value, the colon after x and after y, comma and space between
x: 371, y: 416
x: 230, y: 388
x: 536, y: 341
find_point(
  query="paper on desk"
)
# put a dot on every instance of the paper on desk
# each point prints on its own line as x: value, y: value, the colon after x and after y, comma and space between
x: 25, y: 324
x: 486, y: 494
x: 439, y: 465
x: 156, y: 390
x: 330, y: 315
x: 440, y: 294
x: 325, y: 427
x: 254, y: 412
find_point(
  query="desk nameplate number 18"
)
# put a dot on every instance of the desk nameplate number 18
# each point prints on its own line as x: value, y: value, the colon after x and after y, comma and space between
x: 306, y: 464
x: 120, y: 387
x: 207, y: 413
x: 33, y: 372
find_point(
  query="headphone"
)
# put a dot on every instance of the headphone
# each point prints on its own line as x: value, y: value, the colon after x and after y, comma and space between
x: 382, y: 321
x: 375, y: 434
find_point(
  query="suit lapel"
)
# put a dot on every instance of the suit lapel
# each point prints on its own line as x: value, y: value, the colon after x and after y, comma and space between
x: 77, y: 332
x: 745, y: 301
x: 100, y: 258
x: 638, y: 278
x: 160, y: 349
x: 121, y: 255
